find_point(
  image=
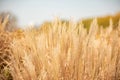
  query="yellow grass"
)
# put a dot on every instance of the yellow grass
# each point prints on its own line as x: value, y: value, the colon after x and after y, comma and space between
x: 66, y: 52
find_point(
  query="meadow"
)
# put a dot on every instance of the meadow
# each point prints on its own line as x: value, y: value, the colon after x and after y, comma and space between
x: 60, y: 51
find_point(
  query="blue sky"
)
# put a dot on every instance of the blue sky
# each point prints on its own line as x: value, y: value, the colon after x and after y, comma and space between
x: 38, y: 11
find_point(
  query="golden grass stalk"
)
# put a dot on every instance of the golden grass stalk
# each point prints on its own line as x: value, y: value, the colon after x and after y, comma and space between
x: 63, y: 51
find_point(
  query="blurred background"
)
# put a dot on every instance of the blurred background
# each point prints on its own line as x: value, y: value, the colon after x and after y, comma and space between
x: 26, y: 12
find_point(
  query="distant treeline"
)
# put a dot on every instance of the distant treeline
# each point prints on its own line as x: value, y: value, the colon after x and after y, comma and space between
x: 103, y: 21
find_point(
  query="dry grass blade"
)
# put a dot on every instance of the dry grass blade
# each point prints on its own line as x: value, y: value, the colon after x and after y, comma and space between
x: 65, y: 51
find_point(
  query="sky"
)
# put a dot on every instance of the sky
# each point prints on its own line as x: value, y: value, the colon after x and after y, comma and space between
x: 38, y: 11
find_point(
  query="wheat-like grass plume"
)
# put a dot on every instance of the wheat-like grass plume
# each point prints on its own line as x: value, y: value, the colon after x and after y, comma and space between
x: 65, y: 51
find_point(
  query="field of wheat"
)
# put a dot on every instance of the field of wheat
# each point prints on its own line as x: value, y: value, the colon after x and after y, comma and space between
x: 60, y: 51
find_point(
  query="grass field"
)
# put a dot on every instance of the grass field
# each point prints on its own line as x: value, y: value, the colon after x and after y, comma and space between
x: 60, y: 51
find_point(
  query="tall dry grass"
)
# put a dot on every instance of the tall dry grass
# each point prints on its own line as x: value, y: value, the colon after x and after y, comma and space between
x: 66, y: 52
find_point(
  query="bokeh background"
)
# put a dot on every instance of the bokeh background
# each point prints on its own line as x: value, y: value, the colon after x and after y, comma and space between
x: 38, y: 11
